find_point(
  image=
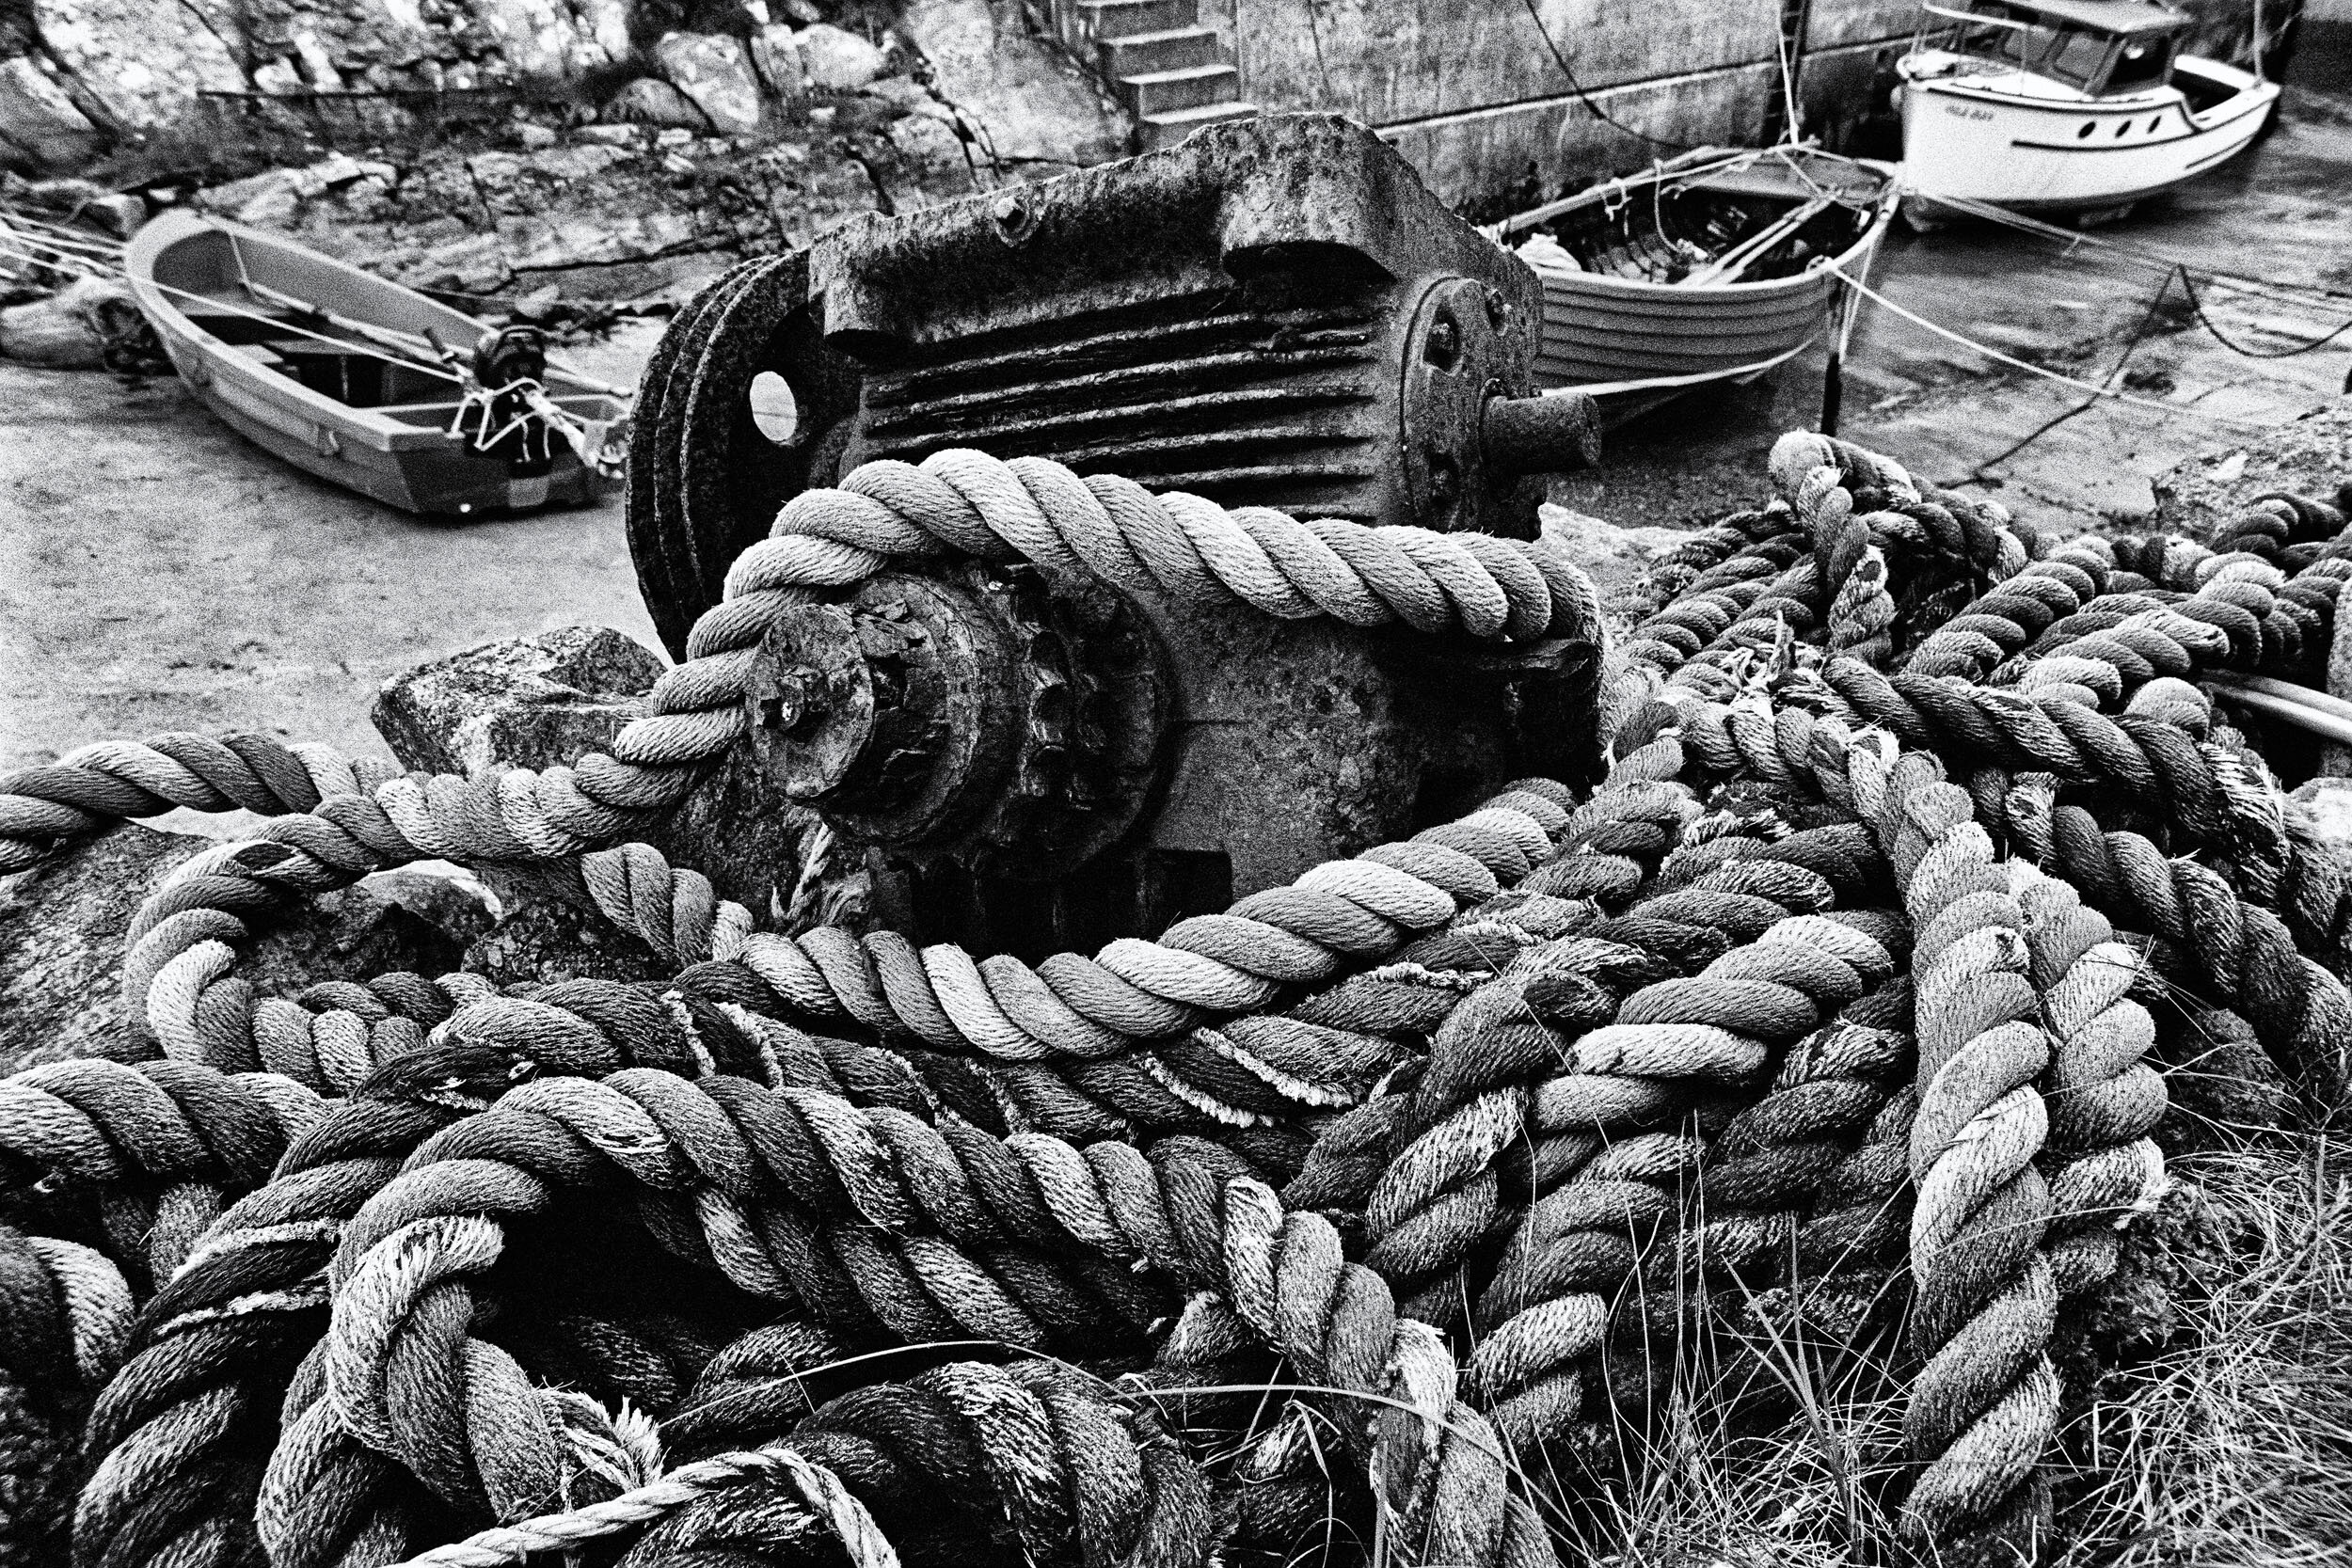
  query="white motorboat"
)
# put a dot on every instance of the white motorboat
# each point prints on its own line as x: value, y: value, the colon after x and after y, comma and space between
x: 2079, y: 107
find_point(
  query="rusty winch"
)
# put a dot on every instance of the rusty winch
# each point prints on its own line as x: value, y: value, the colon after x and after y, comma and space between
x: 1275, y: 313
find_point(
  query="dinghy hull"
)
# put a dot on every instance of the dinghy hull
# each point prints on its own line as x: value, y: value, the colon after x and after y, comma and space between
x: 318, y: 396
x: 1635, y: 343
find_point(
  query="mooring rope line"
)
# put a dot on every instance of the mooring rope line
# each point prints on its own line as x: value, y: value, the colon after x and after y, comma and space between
x: 342, y: 1289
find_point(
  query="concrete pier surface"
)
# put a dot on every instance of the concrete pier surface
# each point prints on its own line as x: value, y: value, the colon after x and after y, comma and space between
x: 1952, y: 415
x: 156, y: 572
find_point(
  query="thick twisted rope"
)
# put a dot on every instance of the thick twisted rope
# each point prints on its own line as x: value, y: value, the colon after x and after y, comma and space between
x: 1796, y: 1178
x: 1069, y: 1008
x: 1736, y: 548
x: 818, y: 1494
x: 1441, y: 1197
x: 1172, y: 1214
x: 846, y: 1183
x: 1873, y: 529
x: 2235, y: 954
x: 2210, y: 792
x: 2261, y: 967
x: 1546, y: 1305
x: 344, y: 820
x: 160, y: 1145
x: 65, y: 1313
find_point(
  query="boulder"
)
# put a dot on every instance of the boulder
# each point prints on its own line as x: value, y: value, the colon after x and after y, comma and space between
x: 74, y: 330
x: 1617, y: 558
x: 145, y: 62
x: 318, y: 66
x: 546, y: 940
x: 583, y: 161
x: 61, y: 948
x: 269, y: 196
x: 122, y: 215
x: 39, y: 127
x: 777, y: 56
x: 494, y: 172
x: 835, y: 60
x: 716, y: 73
x: 528, y: 701
x: 538, y: 701
x: 603, y: 32
x: 539, y: 38
x: 75, y: 203
x: 279, y: 77
x: 650, y: 101
x: 926, y: 138
x: 474, y: 266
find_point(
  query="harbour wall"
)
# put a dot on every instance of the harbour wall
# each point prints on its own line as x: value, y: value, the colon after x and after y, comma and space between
x: 1478, y: 94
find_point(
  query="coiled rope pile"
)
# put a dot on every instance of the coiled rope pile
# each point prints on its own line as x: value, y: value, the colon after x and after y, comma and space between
x: 1836, y: 976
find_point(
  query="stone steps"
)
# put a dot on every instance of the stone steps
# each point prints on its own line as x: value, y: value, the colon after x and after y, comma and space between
x: 1168, y: 129
x: 1170, y: 72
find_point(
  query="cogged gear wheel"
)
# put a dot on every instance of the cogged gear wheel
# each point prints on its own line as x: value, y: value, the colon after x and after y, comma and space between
x: 976, y: 717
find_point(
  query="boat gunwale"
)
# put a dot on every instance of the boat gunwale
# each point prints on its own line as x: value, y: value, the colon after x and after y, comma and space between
x: 370, y: 427
x: 1815, y: 277
x: 2161, y: 98
x: 1879, y: 213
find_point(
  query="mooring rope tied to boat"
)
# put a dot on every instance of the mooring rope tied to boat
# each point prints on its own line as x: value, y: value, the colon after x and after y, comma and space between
x: 2133, y: 253
x: 67, y: 262
x: 2110, y: 393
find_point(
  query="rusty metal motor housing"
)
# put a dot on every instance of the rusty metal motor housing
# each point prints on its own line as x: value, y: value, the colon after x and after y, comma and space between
x: 1276, y: 313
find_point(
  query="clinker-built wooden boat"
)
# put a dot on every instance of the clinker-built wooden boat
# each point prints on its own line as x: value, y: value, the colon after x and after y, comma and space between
x: 1711, y: 267
x: 364, y: 383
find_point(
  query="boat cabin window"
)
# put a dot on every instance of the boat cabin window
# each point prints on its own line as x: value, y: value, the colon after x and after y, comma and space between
x: 2024, y: 37
x: 2143, y: 63
x: 2076, y: 57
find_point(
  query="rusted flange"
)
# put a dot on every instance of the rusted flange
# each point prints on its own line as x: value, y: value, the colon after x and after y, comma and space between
x: 704, y: 481
x: 1463, y: 349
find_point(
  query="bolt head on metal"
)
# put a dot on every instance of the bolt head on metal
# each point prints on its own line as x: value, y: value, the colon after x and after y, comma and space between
x: 787, y: 707
x: 1445, y: 342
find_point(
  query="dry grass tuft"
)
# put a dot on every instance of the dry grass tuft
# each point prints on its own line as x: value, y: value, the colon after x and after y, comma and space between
x: 2218, y: 1434
x: 2209, y: 1421
x: 2231, y: 1446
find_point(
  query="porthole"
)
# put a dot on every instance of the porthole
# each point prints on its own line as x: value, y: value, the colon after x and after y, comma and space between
x: 2089, y: 126
x: 2121, y: 129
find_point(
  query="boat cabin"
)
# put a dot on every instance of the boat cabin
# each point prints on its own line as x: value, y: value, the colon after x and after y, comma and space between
x: 2098, y: 48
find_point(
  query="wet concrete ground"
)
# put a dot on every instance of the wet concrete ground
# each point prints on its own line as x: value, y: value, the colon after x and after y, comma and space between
x: 1953, y: 416
x: 158, y: 572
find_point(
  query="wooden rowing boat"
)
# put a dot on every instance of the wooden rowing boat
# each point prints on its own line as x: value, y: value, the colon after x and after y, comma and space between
x: 364, y: 383
x: 1712, y: 267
